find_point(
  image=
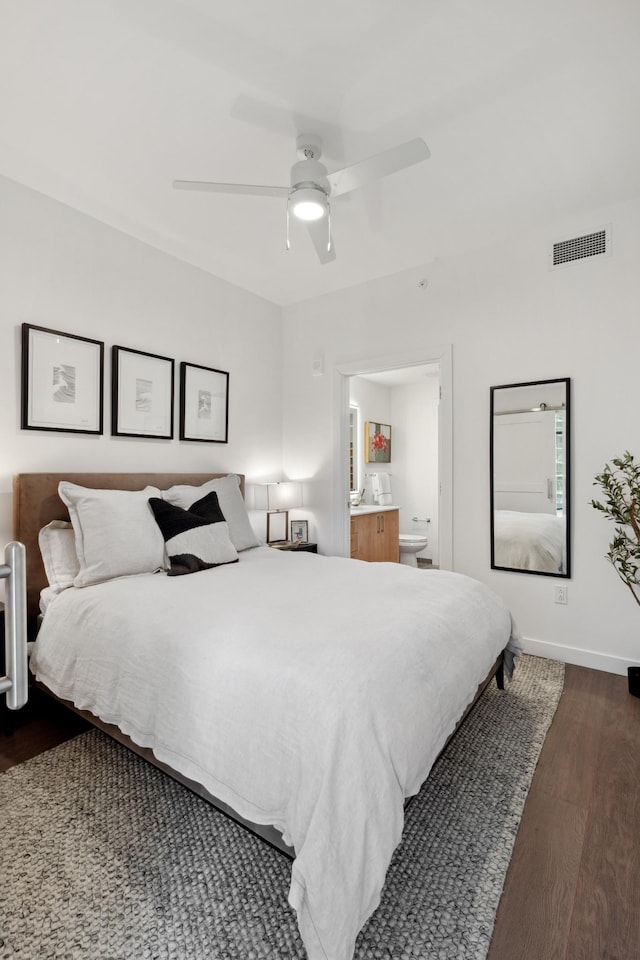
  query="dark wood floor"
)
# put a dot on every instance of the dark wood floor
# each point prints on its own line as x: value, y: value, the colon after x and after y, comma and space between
x: 40, y: 725
x: 573, y: 888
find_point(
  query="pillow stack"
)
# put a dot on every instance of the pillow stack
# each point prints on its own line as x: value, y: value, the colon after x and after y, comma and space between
x: 124, y: 533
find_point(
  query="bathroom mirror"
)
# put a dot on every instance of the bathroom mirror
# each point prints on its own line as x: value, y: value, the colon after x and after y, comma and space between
x: 530, y: 470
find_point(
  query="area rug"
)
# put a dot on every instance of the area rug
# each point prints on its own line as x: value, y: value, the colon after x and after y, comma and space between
x: 105, y: 858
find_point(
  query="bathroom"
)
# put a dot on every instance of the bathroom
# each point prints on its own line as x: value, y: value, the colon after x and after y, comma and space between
x: 407, y: 400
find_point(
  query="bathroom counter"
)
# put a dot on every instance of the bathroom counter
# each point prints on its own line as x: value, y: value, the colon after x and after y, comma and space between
x: 370, y: 508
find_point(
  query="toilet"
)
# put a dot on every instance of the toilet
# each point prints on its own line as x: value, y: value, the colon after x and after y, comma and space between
x: 410, y: 545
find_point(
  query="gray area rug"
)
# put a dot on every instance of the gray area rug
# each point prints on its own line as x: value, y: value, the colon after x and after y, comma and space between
x: 105, y: 858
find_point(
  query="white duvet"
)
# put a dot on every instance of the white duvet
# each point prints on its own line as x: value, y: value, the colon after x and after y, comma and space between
x: 313, y: 693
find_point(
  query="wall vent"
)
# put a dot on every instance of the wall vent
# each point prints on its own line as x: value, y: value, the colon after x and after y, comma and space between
x: 594, y: 244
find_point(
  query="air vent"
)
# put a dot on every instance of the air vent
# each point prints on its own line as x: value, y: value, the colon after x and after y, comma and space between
x: 594, y: 244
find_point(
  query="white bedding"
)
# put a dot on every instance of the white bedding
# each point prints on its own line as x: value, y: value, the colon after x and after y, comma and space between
x: 529, y: 541
x: 309, y: 692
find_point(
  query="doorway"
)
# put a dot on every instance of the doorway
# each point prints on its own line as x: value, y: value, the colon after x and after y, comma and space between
x: 389, y: 368
x: 406, y: 399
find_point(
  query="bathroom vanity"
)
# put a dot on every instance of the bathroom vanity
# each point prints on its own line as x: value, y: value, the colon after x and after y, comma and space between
x: 374, y: 533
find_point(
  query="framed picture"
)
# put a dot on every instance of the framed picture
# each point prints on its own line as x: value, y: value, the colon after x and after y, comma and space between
x: 141, y: 394
x: 62, y: 381
x: 300, y: 531
x: 277, y: 526
x: 204, y: 404
x: 377, y: 442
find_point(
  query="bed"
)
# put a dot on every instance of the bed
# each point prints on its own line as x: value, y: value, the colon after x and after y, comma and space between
x: 309, y: 696
x: 529, y: 541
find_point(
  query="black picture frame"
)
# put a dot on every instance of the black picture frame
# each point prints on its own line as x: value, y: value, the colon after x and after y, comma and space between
x: 62, y: 387
x: 204, y: 404
x: 142, y: 394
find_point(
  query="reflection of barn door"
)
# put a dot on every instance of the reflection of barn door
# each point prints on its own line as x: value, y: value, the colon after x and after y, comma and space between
x: 524, y: 464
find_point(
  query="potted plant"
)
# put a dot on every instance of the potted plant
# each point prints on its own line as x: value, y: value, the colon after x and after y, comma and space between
x: 620, y: 483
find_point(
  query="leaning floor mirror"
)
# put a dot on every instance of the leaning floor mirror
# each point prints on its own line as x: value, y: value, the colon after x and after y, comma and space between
x: 530, y: 470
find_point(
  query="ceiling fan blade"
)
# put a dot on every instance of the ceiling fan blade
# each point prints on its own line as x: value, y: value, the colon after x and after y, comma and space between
x: 320, y: 236
x: 380, y: 165
x: 255, y: 190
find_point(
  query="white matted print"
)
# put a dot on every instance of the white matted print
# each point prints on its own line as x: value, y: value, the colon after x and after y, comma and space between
x: 300, y: 531
x: 204, y: 403
x: 141, y: 394
x: 62, y: 381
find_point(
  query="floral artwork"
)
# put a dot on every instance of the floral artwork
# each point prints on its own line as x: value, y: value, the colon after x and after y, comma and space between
x: 377, y: 442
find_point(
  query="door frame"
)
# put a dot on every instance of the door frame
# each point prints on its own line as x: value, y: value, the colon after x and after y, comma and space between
x: 340, y: 499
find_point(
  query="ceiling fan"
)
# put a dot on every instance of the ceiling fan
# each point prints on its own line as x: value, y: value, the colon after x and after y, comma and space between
x: 312, y: 186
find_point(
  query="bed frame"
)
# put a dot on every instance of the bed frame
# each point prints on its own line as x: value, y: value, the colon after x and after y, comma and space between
x: 36, y: 503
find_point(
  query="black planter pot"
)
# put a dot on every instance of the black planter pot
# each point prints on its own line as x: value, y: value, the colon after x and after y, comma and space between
x: 634, y: 680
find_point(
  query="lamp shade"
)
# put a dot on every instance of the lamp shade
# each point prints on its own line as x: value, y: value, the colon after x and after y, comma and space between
x: 284, y: 495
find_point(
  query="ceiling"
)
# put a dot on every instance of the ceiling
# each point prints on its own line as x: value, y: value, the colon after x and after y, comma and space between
x: 530, y: 111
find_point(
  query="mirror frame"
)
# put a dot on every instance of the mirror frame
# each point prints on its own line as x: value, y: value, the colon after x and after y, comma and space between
x: 354, y: 448
x: 566, y: 574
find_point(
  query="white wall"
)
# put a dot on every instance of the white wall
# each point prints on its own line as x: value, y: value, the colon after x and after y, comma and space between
x: 414, y: 416
x: 63, y: 270
x: 509, y: 319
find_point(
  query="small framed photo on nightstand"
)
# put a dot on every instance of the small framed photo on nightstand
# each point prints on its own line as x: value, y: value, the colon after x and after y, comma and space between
x: 299, y: 531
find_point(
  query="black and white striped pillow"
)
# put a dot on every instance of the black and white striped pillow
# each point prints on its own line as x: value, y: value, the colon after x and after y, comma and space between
x: 195, y: 539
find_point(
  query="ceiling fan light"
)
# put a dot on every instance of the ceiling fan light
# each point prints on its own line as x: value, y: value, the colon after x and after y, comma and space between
x: 309, y: 203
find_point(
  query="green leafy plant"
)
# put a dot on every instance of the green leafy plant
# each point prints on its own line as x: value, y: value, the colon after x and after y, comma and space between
x: 620, y: 483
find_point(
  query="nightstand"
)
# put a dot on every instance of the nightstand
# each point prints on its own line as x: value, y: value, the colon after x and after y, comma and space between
x: 294, y: 546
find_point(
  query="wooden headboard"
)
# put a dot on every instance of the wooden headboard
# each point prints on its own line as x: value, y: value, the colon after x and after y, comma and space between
x: 36, y: 503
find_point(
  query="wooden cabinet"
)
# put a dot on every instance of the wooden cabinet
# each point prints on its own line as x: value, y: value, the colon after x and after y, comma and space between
x: 374, y: 536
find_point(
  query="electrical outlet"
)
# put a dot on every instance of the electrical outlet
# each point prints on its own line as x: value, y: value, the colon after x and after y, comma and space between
x: 560, y: 595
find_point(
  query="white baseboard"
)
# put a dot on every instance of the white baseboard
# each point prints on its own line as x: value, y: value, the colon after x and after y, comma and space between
x: 582, y: 658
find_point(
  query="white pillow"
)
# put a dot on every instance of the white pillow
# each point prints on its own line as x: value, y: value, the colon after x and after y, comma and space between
x: 116, y: 534
x: 233, y: 507
x: 58, y: 548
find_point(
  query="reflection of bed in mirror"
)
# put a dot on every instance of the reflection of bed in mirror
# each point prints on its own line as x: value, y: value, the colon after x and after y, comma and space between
x: 529, y: 541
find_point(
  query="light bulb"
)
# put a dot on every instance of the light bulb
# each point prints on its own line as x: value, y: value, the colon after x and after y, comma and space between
x: 308, y: 210
x: 308, y: 203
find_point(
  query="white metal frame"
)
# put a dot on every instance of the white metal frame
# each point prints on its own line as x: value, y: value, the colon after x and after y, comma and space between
x: 14, y: 684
